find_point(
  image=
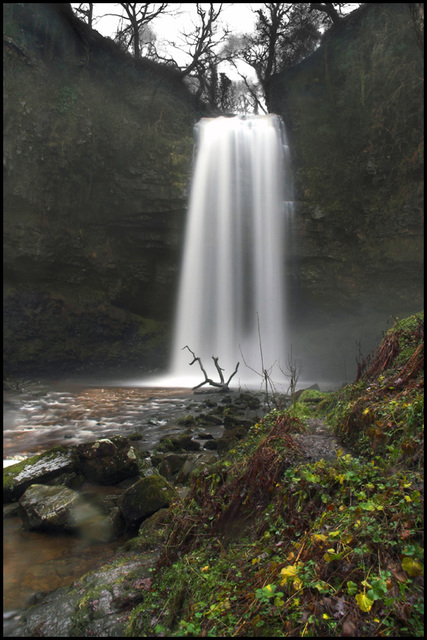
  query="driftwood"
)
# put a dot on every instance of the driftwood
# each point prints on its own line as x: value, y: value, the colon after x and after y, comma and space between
x: 222, y: 384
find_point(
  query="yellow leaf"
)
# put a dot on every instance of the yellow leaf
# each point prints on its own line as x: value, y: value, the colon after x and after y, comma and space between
x: 205, y: 568
x: 412, y: 567
x: 289, y: 573
x: 320, y: 536
x: 297, y: 584
x: 364, y: 602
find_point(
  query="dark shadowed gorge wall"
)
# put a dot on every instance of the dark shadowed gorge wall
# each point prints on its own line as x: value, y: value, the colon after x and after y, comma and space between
x: 354, y: 110
x: 97, y: 154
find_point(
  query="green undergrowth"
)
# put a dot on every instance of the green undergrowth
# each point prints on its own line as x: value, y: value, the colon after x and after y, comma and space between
x: 265, y: 544
x: 383, y: 411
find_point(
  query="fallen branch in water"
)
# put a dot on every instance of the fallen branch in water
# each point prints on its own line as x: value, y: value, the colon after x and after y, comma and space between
x: 222, y: 384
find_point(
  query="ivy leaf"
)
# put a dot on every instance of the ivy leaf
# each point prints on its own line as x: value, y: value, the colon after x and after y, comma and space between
x: 351, y: 587
x: 330, y: 555
x: 321, y: 586
x: 310, y: 477
x: 365, y: 603
x: 290, y: 573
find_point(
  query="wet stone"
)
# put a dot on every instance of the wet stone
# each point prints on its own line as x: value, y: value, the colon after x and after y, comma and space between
x: 108, y: 460
x: 50, y: 508
x: 37, y: 469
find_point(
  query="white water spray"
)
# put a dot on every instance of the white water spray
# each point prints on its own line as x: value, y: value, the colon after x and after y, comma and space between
x: 232, y: 296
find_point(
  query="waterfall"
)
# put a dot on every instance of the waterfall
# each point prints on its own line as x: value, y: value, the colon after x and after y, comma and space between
x: 232, y: 293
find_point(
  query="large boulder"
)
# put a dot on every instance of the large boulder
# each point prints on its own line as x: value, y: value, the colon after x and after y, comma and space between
x: 39, y: 469
x: 145, y: 497
x: 50, y: 508
x: 181, y: 442
x: 108, y: 460
x: 60, y: 509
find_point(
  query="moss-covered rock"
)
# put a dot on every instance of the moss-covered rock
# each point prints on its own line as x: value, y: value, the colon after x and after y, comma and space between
x: 145, y: 497
x: 181, y: 442
x: 39, y: 469
x: 50, y: 508
x: 107, y: 460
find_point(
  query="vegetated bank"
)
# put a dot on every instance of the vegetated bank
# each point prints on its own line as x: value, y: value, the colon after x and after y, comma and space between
x: 268, y: 545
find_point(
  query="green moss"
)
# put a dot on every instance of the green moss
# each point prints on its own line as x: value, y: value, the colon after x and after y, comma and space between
x: 312, y: 394
x: 10, y: 472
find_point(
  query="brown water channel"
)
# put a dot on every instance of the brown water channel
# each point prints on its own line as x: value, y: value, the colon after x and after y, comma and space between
x: 47, y: 415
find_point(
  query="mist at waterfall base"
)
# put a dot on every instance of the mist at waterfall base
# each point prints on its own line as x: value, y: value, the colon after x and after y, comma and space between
x: 233, y: 292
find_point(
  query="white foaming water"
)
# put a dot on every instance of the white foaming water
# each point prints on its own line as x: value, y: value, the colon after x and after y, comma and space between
x: 232, y: 296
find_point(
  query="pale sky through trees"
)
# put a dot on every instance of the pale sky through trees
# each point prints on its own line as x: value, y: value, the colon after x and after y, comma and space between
x: 238, y: 17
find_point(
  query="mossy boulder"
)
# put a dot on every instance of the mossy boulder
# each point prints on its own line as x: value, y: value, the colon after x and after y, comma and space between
x: 108, y: 460
x: 171, y: 464
x: 40, y: 469
x: 231, y: 421
x: 181, y: 442
x: 57, y: 508
x: 150, y: 532
x: 50, y: 508
x: 145, y: 497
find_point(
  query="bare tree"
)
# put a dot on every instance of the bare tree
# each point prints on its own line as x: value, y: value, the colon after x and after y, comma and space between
x: 285, y: 33
x: 85, y: 12
x: 294, y: 372
x: 135, y: 20
x: 201, y: 44
x: 332, y: 10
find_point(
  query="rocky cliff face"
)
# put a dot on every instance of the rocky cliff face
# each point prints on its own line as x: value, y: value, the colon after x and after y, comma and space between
x: 97, y: 160
x: 354, y: 112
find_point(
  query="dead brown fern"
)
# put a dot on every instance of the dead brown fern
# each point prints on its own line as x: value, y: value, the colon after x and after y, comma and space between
x: 220, y: 501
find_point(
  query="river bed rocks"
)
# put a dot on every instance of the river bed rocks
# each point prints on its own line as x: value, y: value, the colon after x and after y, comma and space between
x: 56, y: 489
x: 60, y: 490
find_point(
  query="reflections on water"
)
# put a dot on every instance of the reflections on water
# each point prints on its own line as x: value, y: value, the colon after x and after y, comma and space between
x: 33, y: 424
x: 35, y: 562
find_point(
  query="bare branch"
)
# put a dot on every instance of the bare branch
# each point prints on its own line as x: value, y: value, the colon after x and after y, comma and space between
x: 221, y: 385
x: 139, y: 16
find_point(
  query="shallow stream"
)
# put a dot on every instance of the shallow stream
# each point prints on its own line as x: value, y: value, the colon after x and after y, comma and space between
x: 46, y: 414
